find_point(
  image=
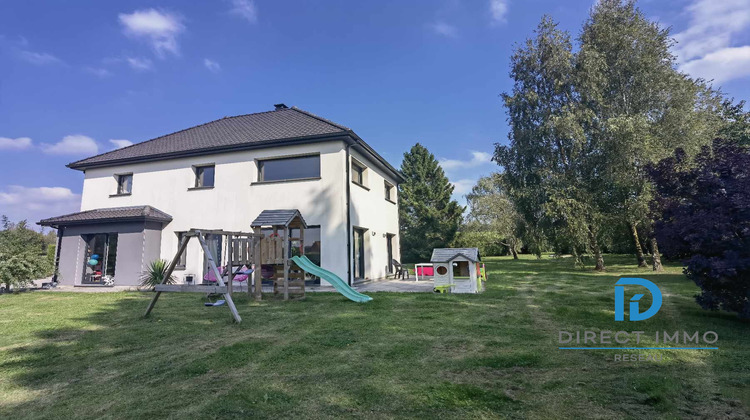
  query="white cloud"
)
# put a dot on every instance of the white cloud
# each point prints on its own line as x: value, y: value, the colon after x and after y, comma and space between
x: 498, y: 10
x: 444, y: 29
x: 19, y: 143
x: 159, y: 28
x: 705, y: 48
x: 212, y: 65
x: 245, y: 9
x: 463, y: 186
x: 140, y: 64
x: 98, y: 71
x: 38, y: 58
x: 119, y: 144
x: 477, y: 159
x: 36, y: 203
x: 74, y: 144
x: 722, y: 65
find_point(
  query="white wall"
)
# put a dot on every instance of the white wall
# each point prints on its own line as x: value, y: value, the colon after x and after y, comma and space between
x: 234, y: 201
x: 370, y: 210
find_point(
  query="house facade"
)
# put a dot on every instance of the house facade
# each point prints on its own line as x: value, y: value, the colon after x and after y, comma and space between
x: 221, y: 175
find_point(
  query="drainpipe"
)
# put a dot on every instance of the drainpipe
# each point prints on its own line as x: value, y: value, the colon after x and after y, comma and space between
x: 348, y: 219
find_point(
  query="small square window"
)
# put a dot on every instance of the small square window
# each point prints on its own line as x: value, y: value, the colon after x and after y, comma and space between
x: 388, y: 191
x: 204, y: 176
x: 124, y: 183
x: 359, y: 174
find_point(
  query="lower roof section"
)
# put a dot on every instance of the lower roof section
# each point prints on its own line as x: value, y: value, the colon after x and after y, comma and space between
x: 108, y: 215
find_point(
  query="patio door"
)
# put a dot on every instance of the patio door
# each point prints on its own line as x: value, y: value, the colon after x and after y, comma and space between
x: 100, y: 258
x: 359, y: 253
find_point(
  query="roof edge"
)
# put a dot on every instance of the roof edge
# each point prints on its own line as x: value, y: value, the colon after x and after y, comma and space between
x: 290, y: 141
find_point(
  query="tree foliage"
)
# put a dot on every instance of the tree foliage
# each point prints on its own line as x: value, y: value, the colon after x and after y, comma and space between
x: 492, y: 223
x: 23, y: 254
x: 704, y: 208
x: 585, y: 124
x: 548, y: 164
x: 429, y: 218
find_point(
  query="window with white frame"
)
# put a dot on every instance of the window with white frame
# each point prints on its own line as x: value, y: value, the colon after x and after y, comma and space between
x: 124, y: 184
x: 359, y: 173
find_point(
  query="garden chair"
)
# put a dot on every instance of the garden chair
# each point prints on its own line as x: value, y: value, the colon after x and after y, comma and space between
x: 401, y: 271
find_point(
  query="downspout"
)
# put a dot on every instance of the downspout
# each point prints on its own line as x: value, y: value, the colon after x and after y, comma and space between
x: 348, y: 219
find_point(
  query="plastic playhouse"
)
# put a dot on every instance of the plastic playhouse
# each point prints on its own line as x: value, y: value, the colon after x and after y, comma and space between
x: 458, y: 270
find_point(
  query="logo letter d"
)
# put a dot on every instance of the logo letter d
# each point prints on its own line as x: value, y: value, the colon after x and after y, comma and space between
x: 635, y: 315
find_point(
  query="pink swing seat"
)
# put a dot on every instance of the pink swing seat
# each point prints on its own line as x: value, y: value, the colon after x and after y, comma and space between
x: 210, y: 277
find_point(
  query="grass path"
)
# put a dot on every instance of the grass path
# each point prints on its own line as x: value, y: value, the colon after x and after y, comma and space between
x: 494, y: 355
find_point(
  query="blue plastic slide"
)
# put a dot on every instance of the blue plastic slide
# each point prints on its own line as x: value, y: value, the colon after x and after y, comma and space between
x: 340, y: 285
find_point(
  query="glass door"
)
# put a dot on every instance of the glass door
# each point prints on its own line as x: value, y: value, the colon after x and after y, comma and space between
x: 359, y: 253
x: 101, y: 257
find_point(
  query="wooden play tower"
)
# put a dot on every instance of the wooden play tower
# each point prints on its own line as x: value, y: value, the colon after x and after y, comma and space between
x: 285, y: 240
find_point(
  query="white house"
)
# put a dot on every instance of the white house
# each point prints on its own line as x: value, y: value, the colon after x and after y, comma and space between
x: 137, y: 200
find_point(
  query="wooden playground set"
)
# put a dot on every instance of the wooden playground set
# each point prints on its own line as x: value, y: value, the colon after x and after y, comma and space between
x: 244, y: 255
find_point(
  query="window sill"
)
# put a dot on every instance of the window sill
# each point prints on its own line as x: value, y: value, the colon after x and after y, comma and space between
x: 120, y: 195
x: 282, y: 181
x: 179, y: 267
x: 390, y: 201
x: 360, y: 185
x: 200, y: 188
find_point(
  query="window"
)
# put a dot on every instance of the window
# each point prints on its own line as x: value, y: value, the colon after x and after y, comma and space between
x: 461, y: 269
x: 124, y: 184
x: 285, y: 169
x: 359, y: 174
x: 442, y: 270
x: 204, y: 176
x: 183, y: 258
x: 389, y: 192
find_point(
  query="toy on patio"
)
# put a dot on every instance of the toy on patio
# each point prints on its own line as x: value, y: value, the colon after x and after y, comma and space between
x: 458, y: 270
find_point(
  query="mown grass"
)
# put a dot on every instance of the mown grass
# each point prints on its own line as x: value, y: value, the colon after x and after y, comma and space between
x: 494, y: 355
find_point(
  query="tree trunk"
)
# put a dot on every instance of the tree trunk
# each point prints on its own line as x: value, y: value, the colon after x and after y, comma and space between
x: 577, y: 258
x: 655, y: 255
x: 638, y: 249
x: 513, y: 251
x: 597, y: 251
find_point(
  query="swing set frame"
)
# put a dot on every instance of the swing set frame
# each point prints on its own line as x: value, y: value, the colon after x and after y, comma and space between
x: 250, y: 250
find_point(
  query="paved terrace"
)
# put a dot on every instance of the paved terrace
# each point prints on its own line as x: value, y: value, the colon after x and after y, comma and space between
x: 390, y: 285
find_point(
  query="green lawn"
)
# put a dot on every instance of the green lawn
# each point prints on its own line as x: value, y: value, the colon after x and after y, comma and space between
x: 75, y: 355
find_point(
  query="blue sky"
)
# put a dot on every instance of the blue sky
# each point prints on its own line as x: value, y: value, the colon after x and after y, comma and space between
x: 84, y: 77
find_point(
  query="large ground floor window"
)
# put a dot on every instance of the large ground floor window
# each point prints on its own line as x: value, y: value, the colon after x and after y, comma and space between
x: 100, y: 259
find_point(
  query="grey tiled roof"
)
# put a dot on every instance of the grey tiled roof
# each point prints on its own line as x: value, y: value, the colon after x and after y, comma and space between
x: 277, y: 126
x: 276, y: 218
x: 447, y: 254
x: 113, y: 214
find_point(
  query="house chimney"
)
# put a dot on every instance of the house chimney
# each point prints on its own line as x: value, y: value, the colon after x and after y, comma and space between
x: 280, y: 107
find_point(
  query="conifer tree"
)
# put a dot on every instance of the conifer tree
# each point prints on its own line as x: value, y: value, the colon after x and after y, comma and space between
x: 429, y: 218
